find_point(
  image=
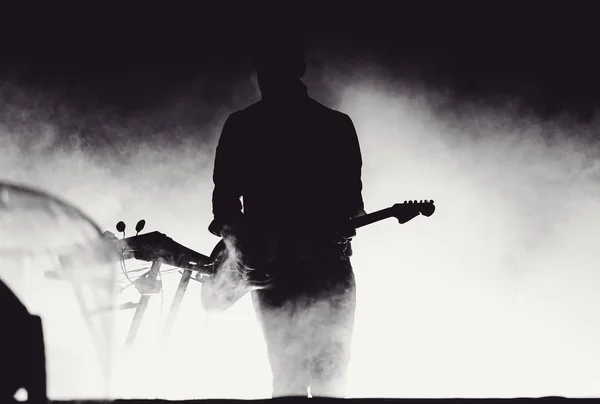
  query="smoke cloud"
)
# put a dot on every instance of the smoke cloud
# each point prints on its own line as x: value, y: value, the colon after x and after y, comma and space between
x: 492, y: 296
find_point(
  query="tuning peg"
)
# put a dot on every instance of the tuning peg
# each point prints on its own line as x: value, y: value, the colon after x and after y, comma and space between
x: 121, y: 228
x: 140, y: 226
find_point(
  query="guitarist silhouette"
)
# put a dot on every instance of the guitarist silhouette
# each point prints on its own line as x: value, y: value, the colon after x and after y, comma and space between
x: 296, y: 164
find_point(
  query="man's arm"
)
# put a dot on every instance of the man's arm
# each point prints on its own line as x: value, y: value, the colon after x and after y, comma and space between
x: 226, y: 204
x: 349, y: 160
x: 352, y: 187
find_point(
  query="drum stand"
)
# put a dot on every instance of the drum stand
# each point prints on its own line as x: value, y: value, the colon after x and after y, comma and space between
x: 150, y: 278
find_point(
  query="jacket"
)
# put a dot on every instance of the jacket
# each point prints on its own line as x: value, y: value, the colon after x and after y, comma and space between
x: 287, y: 164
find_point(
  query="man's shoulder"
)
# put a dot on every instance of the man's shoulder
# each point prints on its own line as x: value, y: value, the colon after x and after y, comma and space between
x: 244, y: 112
x: 328, y: 112
x: 315, y: 107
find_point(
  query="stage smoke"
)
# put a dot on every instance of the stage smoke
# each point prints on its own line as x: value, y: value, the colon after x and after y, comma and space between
x: 492, y: 296
x: 53, y: 258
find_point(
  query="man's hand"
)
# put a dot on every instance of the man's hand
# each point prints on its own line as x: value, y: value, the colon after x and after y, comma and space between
x: 360, y: 213
x: 232, y: 237
x: 235, y: 239
x: 227, y: 227
x: 229, y: 231
x: 345, y: 231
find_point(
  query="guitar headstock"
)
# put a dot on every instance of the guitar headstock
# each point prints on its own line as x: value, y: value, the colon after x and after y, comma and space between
x: 410, y: 209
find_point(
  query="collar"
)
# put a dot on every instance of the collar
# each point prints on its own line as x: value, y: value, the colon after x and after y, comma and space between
x: 294, y: 90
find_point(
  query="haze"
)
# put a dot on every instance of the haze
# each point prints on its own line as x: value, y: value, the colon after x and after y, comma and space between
x: 495, y: 295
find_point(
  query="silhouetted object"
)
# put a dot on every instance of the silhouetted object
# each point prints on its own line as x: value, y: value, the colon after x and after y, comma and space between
x: 120, y: 227
x: 297, y: 165
x: 159, y: 249
x: 140, y: 226
x: 22, y: 357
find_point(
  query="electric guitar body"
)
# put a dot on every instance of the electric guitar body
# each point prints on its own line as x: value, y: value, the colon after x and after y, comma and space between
x: 231, y: 280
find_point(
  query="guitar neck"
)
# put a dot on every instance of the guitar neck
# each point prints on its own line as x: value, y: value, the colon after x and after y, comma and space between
x: 371, y: 218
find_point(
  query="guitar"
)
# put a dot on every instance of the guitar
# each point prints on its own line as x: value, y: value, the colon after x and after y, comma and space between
x: 231, y: 279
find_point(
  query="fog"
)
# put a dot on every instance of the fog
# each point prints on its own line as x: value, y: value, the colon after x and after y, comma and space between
x: 492, y: 296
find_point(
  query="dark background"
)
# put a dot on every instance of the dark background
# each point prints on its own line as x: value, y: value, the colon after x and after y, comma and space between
x: 131, y: 56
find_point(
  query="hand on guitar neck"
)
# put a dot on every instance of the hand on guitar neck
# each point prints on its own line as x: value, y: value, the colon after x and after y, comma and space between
x: 347, y: 231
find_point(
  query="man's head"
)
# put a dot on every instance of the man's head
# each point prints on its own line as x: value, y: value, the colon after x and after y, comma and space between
x: 278, y: 57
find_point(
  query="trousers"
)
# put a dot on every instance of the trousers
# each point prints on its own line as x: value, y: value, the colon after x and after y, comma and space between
x: 307, y: 319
